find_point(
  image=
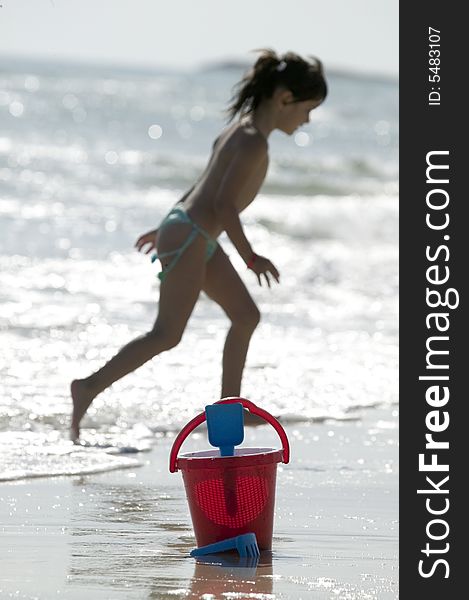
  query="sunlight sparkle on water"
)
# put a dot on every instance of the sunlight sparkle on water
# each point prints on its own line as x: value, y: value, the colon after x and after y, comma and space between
x: 302, y: 138
x: 197, y: 113
x: 111, y: 157
x: 16, y: 108
x: 155, y: 132
x: 31, y: 83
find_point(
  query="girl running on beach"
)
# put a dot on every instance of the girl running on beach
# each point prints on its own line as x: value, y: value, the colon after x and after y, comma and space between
x: 279, y: 92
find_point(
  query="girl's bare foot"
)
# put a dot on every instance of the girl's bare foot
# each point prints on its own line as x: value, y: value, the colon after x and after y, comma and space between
x: 82, y: 397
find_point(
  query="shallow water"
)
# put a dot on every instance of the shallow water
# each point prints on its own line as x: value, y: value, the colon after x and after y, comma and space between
x: 89, y: 159
x: 128, y: 534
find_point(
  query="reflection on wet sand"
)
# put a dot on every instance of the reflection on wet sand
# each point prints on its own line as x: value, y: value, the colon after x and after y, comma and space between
x: 228, y: 573
x: 138, y: 538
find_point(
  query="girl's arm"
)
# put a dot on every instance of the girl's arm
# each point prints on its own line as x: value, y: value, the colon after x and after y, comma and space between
x: 230, y: 220
x: 186, y: 195
x: 150, y: 237
x: 244, y: 163
x: 247, y: 159
x: 147, y: 238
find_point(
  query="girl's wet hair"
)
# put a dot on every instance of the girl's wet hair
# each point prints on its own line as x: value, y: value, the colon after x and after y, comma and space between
x: 304, y: 78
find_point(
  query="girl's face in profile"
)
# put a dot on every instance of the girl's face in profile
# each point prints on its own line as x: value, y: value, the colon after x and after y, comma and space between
x: 296, y: 114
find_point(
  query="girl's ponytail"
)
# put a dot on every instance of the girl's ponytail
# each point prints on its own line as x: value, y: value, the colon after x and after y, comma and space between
x: 305, y: 79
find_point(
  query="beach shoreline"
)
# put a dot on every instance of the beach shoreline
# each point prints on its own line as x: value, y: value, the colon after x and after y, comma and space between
x: 127, y: 533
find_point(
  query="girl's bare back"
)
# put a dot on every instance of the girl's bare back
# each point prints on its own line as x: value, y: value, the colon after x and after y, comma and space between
x: 204, y: 201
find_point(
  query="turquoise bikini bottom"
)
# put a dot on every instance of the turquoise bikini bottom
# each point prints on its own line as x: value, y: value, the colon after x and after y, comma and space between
x: 178, y: 215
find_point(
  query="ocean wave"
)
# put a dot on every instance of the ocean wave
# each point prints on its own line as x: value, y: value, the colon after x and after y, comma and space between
x: 52, y: 168
x: 27, y: 455
x: 326, y: 217
x: 32, y: 455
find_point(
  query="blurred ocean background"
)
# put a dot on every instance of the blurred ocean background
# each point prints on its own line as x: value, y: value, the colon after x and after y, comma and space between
x: 90, y: 158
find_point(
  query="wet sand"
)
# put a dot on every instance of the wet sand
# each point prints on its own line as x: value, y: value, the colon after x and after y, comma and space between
x: 127, y: 533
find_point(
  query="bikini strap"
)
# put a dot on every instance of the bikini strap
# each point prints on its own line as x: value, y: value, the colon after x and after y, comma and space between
x: 191, y: 237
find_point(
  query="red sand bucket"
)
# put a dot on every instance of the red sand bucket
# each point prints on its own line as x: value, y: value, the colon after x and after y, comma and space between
x: 231, y: 495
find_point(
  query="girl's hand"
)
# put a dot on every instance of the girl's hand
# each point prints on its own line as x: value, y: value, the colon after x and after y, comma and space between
x: 147, y: 238
x: 263, y: 266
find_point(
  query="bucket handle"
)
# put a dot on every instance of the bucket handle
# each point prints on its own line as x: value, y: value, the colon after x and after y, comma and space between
x: 255, y: 410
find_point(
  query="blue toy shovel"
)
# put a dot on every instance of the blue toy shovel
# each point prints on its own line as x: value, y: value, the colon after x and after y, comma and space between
x: 246, y: 545
x: 225, y: 426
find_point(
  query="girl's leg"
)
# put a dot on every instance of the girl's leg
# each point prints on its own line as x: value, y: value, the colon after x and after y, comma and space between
x: 223, y: 285
x: 178, y: 295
